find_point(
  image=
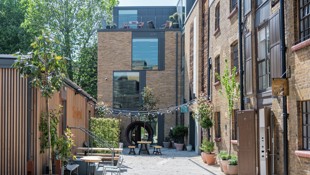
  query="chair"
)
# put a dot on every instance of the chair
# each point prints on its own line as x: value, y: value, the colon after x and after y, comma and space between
x: 101, y: 171
x: 132, y: 150
x: 157, y: 149
x: 117, y: 168
x: 150, y: 25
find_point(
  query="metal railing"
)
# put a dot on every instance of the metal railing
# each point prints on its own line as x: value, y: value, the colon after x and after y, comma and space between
x: 93, y: 136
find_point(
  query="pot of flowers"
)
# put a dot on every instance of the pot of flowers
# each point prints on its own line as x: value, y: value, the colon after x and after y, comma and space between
x: 207, y: 154
x: 224, y: 157
x: 166, y: 142
x: 179, y: 132
x: 232, y: 167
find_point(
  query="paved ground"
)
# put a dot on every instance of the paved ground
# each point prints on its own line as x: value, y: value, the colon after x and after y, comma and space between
x: 171, y: 162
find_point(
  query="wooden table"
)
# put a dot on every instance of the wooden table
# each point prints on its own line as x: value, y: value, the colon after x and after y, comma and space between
x: 100, y: 149
x: 91, y: 159
x: 144, y: 144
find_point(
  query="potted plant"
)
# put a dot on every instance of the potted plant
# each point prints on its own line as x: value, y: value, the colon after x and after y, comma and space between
x: 166, y: 142
x: 224, y: 157
x: 179, y: 133
x: 207, y: 154
x: 175, y: 20
x: 232, y: 167
x: 189, y: 147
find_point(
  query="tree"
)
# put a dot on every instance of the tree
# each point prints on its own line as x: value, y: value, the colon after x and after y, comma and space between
x: 13, y: 38
x: 73, y: 22
x: 204, y: 111
x: 231, y: 92
x: 46, y: 70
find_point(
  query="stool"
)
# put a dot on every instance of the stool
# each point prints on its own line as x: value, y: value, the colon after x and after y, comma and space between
x: 132, y: 150
x: 157, y: 149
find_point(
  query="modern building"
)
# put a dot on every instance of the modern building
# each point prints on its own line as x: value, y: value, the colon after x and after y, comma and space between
x: 143, y: 50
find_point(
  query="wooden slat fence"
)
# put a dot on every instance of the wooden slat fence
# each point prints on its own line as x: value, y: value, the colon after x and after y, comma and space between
x: 13, y: 122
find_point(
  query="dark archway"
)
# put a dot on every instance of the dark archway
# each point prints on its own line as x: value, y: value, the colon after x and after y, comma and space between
x: 133, y: 132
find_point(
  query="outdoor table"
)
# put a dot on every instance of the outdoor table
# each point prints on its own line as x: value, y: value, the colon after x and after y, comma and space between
x: 91, y: 159
x: 100, y: 149
x: 144, y: 144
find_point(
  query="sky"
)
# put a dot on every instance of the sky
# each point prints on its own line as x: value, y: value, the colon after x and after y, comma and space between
x: 148, y: 2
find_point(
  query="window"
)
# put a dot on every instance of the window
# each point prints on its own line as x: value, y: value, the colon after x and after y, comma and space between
x: 217, y: 69
x: 124, y: 16
x: 217, y: 125
x: 217, y: 17
x: 263, y: 60
x: 246, y: 7
x: 234, y: 56
x: 126, y: 90
x: 305, y: 121
x: 260, y: 2
x: 234, y: 124
x: 233, y: 4
x: 304, y: 19
x: 145, y: 54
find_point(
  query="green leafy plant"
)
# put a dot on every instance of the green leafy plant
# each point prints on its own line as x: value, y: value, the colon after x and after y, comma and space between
x: 224, y: 155
x: 106, y: 129
x: 64, y: 145
x: 233, y: 160
x: 179, y: 132
x: 207, y: 146
x: 231, y: 92
x: 204, y: 112
x: 167, y: 139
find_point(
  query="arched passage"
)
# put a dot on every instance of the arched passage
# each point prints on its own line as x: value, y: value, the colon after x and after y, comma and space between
x: 134, y: 132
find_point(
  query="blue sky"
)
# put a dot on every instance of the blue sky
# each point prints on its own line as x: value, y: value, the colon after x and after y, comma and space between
x: 148, y: 2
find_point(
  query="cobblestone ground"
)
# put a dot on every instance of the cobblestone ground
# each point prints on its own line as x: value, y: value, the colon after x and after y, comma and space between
x: 171, y: 162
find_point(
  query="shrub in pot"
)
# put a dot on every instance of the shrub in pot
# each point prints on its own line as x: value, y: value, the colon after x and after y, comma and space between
x: 179, y: 132
x: 207, y: 154
x: 232, y: 167
x: 224, y: 161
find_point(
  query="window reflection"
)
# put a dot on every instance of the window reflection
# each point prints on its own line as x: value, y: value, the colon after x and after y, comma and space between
x: 145, y: 54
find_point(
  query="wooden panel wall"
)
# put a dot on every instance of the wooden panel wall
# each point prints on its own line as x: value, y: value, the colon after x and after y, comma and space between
x: 13, y: 122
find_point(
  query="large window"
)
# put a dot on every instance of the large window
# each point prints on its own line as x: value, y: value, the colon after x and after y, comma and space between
x: 234, y: 56
x: 145, y: 54
x: 233, y: 4
x: 234, y: 124
x: 126, y: 90
x: 305, y: 117
x: 263, y: 60
x: 125, y: 16
x: 304, y: 19
x: 217, y: 125
x: 217, y: 17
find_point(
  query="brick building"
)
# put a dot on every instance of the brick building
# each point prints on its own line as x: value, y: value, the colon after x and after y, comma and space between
x: 141, y: 52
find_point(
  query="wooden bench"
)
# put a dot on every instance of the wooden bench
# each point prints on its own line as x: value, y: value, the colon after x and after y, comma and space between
x: 157, y: 149
x: 132, y: 149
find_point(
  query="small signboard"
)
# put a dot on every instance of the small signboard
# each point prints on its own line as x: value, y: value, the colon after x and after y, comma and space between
x: 280, y: 87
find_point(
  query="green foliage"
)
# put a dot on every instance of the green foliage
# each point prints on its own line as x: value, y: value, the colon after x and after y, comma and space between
x: 73, y: 22
x: 224, y: 155
x: 13, y: 38
x: 101, y: 110
x: 167, y: 139
x: 43, y: 128
x: 106, y: 129
x: 233, y: 160
x: 179, y: 132
x: 204, y: 112
x: 64, y: 145
x: 149, y: 99
x: 45, y: 68
x: 85, y: 70
x: 207, y: 146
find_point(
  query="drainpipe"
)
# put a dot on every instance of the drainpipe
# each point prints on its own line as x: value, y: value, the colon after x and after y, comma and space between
x: 209, y: 58
x: 240, y: 28
x: 284, y: 104
x: 176, y: 75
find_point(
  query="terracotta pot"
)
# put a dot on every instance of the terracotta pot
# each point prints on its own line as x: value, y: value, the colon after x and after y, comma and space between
x: 224, y: 164
x: 204, y: 157
x: 179, y: 146
x: 211, y: 158
x: 232, y: 169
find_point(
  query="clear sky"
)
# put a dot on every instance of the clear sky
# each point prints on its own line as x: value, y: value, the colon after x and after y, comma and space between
x: 148, y: 2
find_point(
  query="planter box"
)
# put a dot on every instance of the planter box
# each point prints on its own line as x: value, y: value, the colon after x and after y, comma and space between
x: 166, y: 144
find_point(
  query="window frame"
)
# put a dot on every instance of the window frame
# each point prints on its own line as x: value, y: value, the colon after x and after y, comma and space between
x: 217, y: 129
x: 301, y: 21
x: 235, y: 56
x: 145, y: 67
x: 233, y: 6
x: 217, y: 68
x: 234, y: 120
x: 304, y: 124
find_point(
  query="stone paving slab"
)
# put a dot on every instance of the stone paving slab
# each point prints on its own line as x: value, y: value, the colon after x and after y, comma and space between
x: 171, y: 162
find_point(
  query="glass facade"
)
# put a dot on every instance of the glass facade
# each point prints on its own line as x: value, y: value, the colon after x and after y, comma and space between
x: 126, y: 90
x: 304, y: 20
x: 145, y: 54
x: 305, y: 105
x: 125, y: 17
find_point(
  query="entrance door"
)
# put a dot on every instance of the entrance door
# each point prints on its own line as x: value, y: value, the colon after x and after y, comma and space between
x: 246, y: 142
